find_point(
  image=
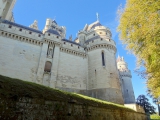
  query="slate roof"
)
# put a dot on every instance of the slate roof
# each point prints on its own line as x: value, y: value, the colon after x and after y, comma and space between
x: 96, y: 37
x: 21, y: 26
x: 95, y: 25
x: 53, y: 32
x: 71, y: 42
x: 54, y: 21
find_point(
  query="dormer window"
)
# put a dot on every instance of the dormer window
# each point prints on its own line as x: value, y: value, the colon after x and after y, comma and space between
x: 39, y: 35
x: 30, y: 32
x: 20, y: 29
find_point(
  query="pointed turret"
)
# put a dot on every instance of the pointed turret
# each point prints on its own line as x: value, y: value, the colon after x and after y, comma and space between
x: 6, y: 7
x: 126, y: 82
x: 34, y: 25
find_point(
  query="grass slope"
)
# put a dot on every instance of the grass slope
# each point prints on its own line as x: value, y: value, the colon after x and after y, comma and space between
x: 10, y: 88
x: 155, y: 117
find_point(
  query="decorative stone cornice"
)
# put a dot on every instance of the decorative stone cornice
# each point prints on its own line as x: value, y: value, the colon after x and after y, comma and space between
x: 21, y: 38
x: 76, y: 53
x: 52, y: 42
x: 98, y: 46
x: 125, y: 75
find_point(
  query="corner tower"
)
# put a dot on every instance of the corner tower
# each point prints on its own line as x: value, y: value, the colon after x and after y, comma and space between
x: 103, y: 78
x: 125, y: 78
x: 6, y: 7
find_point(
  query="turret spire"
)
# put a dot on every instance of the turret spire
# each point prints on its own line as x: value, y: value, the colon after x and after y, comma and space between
x: 97, y: 16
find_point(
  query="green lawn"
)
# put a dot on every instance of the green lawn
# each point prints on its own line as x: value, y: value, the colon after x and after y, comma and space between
x: 155, y: 117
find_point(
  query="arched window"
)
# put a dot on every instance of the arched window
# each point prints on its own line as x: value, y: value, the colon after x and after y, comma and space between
x: 48, y: 66
x: 103, y: 60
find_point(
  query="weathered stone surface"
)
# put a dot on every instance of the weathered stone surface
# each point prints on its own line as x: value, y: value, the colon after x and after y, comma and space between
x: 31, y: 101
x: 54, y: 110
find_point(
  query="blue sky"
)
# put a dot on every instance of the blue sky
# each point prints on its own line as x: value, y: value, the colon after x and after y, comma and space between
x: 74, y: 14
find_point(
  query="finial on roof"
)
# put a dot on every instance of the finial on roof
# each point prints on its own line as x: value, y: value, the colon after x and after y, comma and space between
x: 70, y: 38
x: 34, y: 25
x: 97, y: 16
x: 54, y: 18
x: 122, y: 58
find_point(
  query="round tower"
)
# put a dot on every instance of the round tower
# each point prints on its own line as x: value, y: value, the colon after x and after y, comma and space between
x: 47, y: 26
x: 81, y: 37
x: 126, y: 83
x: 103, y: 77
x: 6, y: 7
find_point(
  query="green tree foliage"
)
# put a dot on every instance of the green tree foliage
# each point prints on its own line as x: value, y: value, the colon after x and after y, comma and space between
x: 140, y: 30
x: 144, y: 102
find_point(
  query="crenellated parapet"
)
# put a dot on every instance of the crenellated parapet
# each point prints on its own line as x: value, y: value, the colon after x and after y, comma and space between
x: 125, y: 79
x: 73, y: 52
x: 21, y: 30
x: 125, y: 74
x: 54, y: 36
x: 100, y: 46
x: 20, y: 38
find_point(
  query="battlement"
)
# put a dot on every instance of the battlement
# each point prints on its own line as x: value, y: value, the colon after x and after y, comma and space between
x: 99, y: 40
x: 21, y: 30
x: 125, y: 73
x: 54, y: 36
x: 21, y: 38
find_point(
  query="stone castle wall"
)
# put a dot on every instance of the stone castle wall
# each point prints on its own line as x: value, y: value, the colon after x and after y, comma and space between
x: 74, y: 67
x: 27, y: 108
x: 18, y: 59
x: 21, y: 100
x: 72, y: 71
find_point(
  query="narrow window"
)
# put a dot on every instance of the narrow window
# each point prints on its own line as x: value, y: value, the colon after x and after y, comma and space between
x: 20, y: 29
x: 30, y: 32
x: 48, y: 34
x: 48, y: 66
x: 39, y: 35
x: 103, y: 61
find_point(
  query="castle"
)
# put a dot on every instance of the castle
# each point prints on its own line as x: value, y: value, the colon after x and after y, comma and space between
x: 86, y: 65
